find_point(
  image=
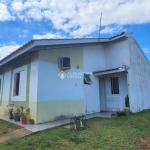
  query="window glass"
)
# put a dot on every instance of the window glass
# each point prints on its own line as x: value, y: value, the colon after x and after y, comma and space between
x: 16, y: 84
x: 22, y: 87
x: 114, y: 85
x: 19, y: 84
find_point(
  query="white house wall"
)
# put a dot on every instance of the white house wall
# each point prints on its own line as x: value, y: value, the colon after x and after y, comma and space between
x: 6, y: 85
x: 117, y: 53
x: 29, y: 87
x: 139, y: 78
x: 94, y: 59
x: 59, y: 98
x: 33, y: 86
x: 5, y: 95
x: 52, y: 88
x: 33, y: 78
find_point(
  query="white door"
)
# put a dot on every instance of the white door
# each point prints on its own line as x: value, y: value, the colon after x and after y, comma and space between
x: 112, y: 103
x: 112, y: 100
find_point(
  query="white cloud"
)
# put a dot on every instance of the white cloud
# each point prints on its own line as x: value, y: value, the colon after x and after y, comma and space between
x: 7, y: 49
x: 17, y: 6
x: 110, y: 30
x: 80, y: 18
x: 48, y: 36
x: 4, y: 13
x: 146, y: 50
x: 34, y: 13
x: 24, y: 34
x: 84, y: 29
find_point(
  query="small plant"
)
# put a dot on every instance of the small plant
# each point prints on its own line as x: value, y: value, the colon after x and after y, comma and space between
x: 120, y: 113
x: 31, y: 121
x: 17, y: 115
x: 10, y: 109
x: 113, y: 115
x: 127, y: 111
x: 17, y: 112
x: 27, y: 112
x: 24, y: 113
x: 127, y: 104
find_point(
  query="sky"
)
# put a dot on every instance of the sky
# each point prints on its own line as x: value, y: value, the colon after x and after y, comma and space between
x: 23, y: 20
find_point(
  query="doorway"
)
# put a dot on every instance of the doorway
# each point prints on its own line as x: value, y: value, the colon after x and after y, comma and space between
x: 102, y: 94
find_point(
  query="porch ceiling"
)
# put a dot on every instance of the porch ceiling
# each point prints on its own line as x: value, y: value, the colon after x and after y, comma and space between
x: 109, y: 71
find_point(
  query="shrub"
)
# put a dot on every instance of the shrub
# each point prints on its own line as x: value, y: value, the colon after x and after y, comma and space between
x: 120, y: 113
x: 24, y: 112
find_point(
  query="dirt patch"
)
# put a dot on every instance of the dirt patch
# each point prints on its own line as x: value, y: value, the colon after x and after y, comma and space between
x: 146, y: 142
x: 16, y: 134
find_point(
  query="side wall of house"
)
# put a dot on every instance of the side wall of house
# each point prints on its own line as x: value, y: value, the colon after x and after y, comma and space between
x: 59, y: 98
x: 28, y: 95
x: 117, y: 53
x: 139, y: 78
x: 5, y: 90
x: 33, y: 86
x: 94, y: 59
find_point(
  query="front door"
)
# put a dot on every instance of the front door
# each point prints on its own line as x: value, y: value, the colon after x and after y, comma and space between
x: 112, y: 94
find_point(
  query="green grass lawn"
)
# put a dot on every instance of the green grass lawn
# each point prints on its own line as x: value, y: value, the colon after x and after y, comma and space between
x: 6, y: 127
x: 127, y: 132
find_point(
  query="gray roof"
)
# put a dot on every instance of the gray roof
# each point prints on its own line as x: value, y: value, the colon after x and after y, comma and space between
x: 44, y: 44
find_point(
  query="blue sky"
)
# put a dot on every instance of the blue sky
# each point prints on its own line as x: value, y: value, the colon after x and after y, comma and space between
x: 23, y: 20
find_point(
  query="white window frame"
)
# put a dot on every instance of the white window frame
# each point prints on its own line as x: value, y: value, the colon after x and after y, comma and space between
x: 18, y: 97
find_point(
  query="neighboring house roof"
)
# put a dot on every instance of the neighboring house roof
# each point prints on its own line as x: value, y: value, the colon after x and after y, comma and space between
x: 43, y: 44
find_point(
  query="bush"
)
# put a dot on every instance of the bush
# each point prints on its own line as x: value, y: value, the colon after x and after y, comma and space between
x: 120, y: 113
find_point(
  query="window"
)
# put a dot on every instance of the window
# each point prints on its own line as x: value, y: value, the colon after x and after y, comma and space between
x: 19, y: 84
x: 87, y: 79
x: 114, y: 85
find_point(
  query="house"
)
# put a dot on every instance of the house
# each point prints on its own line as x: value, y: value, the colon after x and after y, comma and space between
x: 58, y: 78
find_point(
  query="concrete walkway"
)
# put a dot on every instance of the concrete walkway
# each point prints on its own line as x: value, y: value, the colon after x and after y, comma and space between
x: 43, y: 126
x: 16, y: 134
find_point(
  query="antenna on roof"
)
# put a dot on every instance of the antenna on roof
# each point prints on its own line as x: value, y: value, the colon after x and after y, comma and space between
x: 100, y: 27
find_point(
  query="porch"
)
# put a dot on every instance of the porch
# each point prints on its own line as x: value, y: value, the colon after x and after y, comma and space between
x: 113, y: 88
